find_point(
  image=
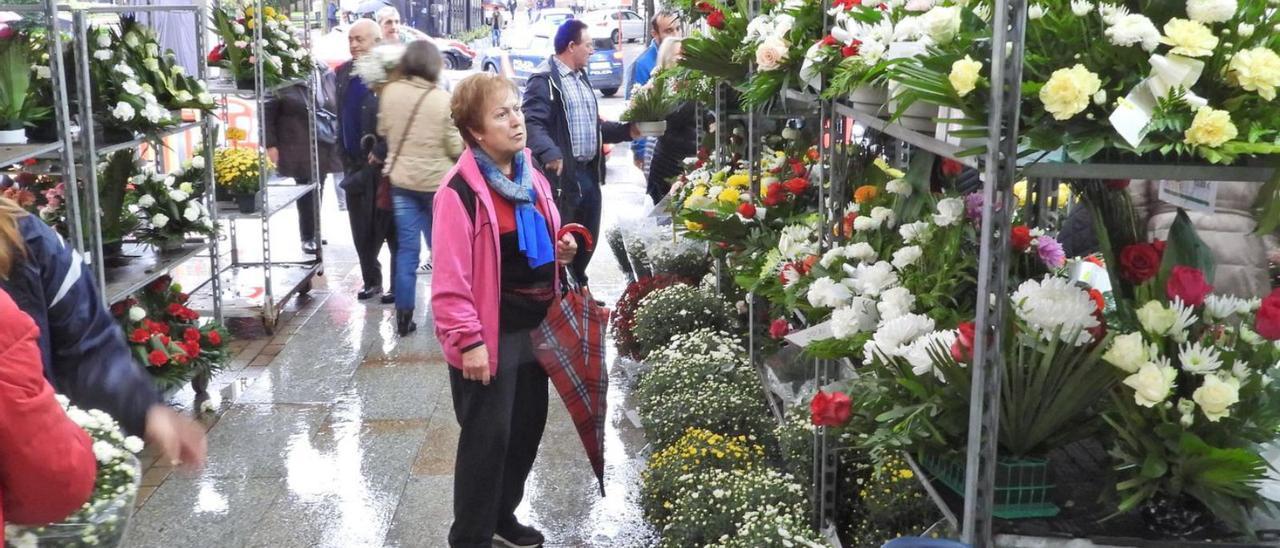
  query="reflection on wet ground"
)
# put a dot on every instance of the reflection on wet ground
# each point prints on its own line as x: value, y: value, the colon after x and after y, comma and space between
x: 338, y: 433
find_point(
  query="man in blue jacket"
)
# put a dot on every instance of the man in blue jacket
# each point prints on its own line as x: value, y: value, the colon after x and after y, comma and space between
x: 662, y: 25
x: 567, y: 135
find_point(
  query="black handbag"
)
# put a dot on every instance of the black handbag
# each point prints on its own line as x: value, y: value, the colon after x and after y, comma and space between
x: 326, y: 126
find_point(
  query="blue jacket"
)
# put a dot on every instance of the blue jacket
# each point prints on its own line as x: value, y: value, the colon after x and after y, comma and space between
x: 641, y: 71
x: 547, y: 123
x: 85, y: 354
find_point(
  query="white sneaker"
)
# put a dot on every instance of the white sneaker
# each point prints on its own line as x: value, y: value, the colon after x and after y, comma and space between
x: 425, y: 269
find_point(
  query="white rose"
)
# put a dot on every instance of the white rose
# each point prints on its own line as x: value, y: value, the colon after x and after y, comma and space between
x: 950, y: 211
x: 159, y: 220
x: 907, y: 256
x: 1187, y: 409
x: 146, y: 201
x: 187, y: 188
x: 1152, y: 383
x: 1156, y: 319
x: 238, y: 28
x: 197, y: 162
x: 136, y: 314
x: 941, y: 23
x: 912, y: 231
x: 899, y: 187
x: 771, y: 53
x: 1128, y: 352
x: 102, y: 54
x: 178, y: 196
x: 1216, y: 396
x: 191, y: 213
x: 1211, y: 11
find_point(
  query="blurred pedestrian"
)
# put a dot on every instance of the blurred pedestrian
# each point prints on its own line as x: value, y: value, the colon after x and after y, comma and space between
x: 662, y: 26
x: 680, y: 140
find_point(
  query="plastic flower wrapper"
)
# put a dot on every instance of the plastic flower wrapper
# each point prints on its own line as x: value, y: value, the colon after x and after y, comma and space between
x: 102, y: 519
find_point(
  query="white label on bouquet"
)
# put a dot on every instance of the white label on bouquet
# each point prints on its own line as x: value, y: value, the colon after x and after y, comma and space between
x: 899, y: 50
x: 805, y: 336
x: 1194, y: 195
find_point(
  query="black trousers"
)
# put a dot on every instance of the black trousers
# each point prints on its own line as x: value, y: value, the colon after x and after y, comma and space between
x: 308, y: 209
x: 370, y: 228
x: 587, y: 213
x: 502, y: 426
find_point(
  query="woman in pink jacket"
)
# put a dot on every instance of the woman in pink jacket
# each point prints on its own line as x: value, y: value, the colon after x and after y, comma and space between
x: 494, y: 220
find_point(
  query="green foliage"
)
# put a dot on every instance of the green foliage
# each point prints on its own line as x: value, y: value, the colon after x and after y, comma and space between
x: 19, y: 106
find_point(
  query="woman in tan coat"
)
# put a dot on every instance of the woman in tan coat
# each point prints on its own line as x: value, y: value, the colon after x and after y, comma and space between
x: 422, y: 146
x: 1241, y: 257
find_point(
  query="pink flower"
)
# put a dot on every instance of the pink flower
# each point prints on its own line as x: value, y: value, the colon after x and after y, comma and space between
x: 1188, y: 285
x: 779, y: 328
x: 1051, y: 252
x: 973, y: 206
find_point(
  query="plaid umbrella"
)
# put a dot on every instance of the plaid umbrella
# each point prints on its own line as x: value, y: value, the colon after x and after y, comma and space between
x: 570, y: 346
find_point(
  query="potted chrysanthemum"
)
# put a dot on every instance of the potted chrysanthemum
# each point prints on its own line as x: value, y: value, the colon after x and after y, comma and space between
x: 236, y: 171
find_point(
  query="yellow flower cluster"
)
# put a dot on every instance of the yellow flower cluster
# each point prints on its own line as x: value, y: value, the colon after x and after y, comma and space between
x: 1020, y: 193
x: 1211, y: 128
x: 237, y: 169
x: 236, y: 134
x: 699, y: 444
x: 1068, y: 91
x: 1256, y: 69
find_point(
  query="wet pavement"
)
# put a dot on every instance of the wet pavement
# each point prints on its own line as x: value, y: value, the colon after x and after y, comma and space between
x: 335, y: 432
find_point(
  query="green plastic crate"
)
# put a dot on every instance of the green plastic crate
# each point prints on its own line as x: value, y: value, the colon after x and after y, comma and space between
x: 1022, y: 487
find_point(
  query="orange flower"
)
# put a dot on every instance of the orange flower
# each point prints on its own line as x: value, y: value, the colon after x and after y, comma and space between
x: 865, y: 193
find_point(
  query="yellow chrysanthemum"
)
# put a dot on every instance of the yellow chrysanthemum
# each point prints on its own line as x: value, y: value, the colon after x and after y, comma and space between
x: 1211, y: 128
x: 236, y: 134
x: 698, y: 191
x: 269, y: 11
x: 1256, y: 69
x: 693, y: 227
x: 740, y: 180
x: 729, y: 195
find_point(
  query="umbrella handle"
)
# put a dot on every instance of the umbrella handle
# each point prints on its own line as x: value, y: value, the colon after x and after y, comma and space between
x: 575, y: 228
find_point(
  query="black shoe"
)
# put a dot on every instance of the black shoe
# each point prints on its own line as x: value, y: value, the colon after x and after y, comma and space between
x: 309, y: 247
x: 404, y: 322
x: 388, y: 298
x: 514, y: 535
x: 368, y: 292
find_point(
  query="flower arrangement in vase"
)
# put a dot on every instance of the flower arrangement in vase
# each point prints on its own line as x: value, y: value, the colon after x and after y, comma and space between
x: 237, y: 170
x: 285, y: 57
x: 19, y: 106
x: 171, y: 209
x: 650, y: 105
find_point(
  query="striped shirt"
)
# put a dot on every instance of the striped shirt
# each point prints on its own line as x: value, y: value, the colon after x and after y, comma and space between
x: 580, y: 106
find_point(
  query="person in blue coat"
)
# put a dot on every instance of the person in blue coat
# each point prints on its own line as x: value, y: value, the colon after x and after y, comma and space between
x: 84, y: 351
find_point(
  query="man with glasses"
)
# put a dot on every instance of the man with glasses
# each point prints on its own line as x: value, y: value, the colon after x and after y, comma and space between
x: 567, y: 135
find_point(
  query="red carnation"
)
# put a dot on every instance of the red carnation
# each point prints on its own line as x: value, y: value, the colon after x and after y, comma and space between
x: 851, y: 49
x: 1099, y: 301
x: 1188, y: 285
x: 798, y: 169
x: 160, y: 284
x: 1020, y: 237
x: 962, y: 349
x: 1267, y: 323
x: 158, y: 358
x: 808, y: 263
x: 191, y: 334
x: 747, y: 210
x: 165, y: 340
x: 215, y: 338
x: 1139, y: 262
x: 716, y: 19
x: 829, y: 409
x: 181, y: 358
x: 951, y: 168
x: 175, y: 309
x: 30, y: 162
x: 774, y: 194
x: 139, y: 335
x: 847, y: 223
x: 215, y: 54
x: 828, y: 41
x: 779, y: 328
x: 797, y: 185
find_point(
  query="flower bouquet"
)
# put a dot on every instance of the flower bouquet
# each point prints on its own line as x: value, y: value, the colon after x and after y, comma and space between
x: 160, y: 72
x: 103, y: 518
x: 172, y: 210
x: 40, y: 194
x: 19, y: 106
x: 286, y: 59
x: 775, y: 42
x: 166, y: 336
x: 649, y: 107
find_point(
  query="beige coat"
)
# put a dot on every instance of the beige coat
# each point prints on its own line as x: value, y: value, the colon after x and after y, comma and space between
x: 1240, y: 255
x: 417, y: 159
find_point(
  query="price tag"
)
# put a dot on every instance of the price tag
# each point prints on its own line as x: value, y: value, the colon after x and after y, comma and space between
x: 1194, y: 195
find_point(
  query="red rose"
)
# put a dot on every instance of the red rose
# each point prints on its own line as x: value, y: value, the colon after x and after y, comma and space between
x: 215, y: 55
x: 215, y: 338
x: 139, y: 335
x: 798, y: 169
x: 158, y: 358
x: 1158, y: 245
x: 747, y: 210
x: 951, y: 168
x: 1139, y: 262
x: 1267, y: 322
x: 191, y: 334
x: 716, y: 19
x: 1100, y: 332
x: 962, y: 349
x: 774, y: 194
x: 796, y: 185
x: 828, y: 41
x: 829, y: 409
x: 1020, y: 237
x: 779, y: 328
x: 1117, y: 184
x: 1187, y: 284
x: 851, y: 50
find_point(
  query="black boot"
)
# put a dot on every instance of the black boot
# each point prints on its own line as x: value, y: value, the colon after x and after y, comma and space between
x: 404, y: 322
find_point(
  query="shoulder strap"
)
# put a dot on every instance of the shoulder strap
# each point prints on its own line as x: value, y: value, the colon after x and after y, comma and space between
x: 413, y: 116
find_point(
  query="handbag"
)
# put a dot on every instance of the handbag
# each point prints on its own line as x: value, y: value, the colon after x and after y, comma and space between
x: 326, y: 120
x: 382, y: 200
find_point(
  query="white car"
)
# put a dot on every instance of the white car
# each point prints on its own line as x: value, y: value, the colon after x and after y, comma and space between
x: 616, y: 24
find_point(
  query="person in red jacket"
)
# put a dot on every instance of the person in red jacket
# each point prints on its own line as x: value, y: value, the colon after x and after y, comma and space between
x: 47, y: 467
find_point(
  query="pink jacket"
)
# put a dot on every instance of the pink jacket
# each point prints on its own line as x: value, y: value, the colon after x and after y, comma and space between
x: 466, y: 259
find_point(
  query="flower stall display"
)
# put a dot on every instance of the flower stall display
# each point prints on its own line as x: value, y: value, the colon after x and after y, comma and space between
x: 775, y: 44
x: 38, y: 192
x: 283, y: 57
x: 650, y: 105
x: 19, y: 104
x: 237, y: 171
x: 103, y: 518
x: 167, y: 337
x: 171, y: 210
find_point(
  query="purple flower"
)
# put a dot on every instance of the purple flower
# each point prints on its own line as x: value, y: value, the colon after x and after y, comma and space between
x: 1050, y: 252
x: 973, y: 206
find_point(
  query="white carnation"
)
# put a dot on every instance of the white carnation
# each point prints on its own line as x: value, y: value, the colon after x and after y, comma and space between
x: 893, y: 334
x: 899, y: 187
x: 828, y: 293
x: 197, y: 162
x: 882, y: 215
x: 895, y: 303
x: 874, y: 279
x: 858, y: 317
x: 131, y: 87
x: 1211, y: 11
x: 911, y: 232
x: 794, y: 242
x: 133, y: 444
x: 136, y: 313
x: 191, y: 213
x: 1053, y: 307
x: 920, y: 352
x: 1035, y: 11
x: 1128, y: 30
x: 907, y: 256
x: 861, y: 251
x: 178, y: 196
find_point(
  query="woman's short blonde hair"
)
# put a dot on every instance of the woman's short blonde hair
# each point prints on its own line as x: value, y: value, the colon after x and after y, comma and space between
x: 470, y: 97
x: 667, y: 53
x: 12, y: 247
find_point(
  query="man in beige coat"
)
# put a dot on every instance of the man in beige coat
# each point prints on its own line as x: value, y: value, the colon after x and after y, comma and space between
x: 422, y: 146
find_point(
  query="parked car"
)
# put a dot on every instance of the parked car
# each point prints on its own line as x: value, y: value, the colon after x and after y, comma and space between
x: 332, y: 50
x: 604, y: 69
x: 546, y: 21
x: 615, y: 24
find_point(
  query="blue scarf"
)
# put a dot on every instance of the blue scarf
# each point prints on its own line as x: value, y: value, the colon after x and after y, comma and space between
x: 531, y: 227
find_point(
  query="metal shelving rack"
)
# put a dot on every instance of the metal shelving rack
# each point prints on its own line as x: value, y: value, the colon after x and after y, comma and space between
x: 60, y: 149
x: 145, y: 264
x: 278, y: 280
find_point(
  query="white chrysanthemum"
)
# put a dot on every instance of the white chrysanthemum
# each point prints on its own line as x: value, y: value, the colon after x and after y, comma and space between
x: 858, y: 317
x: 907, y: 256
x: 1081, y: 8
x: 895, y: 303
x: 861, y: 251
x: 831, y: 256
x: 1184, y: 317
x: 159, y: 220
x: 1128, y: 30
x: 921, y: 351
x: 133, y: 444
x: 828, y: 293
x: 950, y: 211
x: 1211, y: 11
x: 123, y: 111
x: 911, y: 232
x: 899, y: 187
x: 874, y: 279
x: 1053, y: 307
x: 1221, y: 307
x: 893, y: 335
x: 1199, y: 359
x: 1112, y: 12
x: 794, y: 242
x: 104, y: 451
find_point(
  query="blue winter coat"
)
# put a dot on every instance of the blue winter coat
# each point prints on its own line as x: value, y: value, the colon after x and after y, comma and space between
x: 85, y: 354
